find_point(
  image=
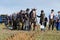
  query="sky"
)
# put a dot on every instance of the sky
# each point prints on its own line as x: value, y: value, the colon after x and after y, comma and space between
x: 14, y: 6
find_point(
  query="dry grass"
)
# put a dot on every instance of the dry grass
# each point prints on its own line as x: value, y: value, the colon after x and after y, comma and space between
x: 6, y: 34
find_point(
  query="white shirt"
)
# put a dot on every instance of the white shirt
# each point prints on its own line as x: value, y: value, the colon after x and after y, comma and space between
x: 51, y: 16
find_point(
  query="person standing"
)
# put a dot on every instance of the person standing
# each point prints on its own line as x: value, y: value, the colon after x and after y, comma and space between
x: 27, y: 26
x: 42, y: 17
x: 43, y: 20
x: 30, y: 18
x: 18, y: 21
x: 58, y: 22
x: 51, y: 20
x: 34, y: 18
x: 23, y: 19
x: 14, y: 21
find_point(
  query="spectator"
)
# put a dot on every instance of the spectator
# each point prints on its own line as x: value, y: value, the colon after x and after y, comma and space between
x: 23, y: 19
x: 51, y: 20
x: 42, y: 15
x: 14, y: 24
x: 58, y: 22
x: 33, y: 18
x: 27, y: 26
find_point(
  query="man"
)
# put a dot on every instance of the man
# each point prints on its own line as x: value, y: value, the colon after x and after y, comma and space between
x: 14, y: 23
x: 30, y: 18
x: 51, y: 20
x: 33, y: 15
x: 42, y: 15
x: 18, y: 21
x: 23, y: 19
x: 58, y: 21
x: 27, y: 27
x: 43, y: 20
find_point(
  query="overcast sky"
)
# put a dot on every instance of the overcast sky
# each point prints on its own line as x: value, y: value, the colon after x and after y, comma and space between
x: 11, y: 6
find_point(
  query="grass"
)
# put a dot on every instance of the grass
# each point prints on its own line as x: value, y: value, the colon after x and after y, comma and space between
x: 6, y: 34
x: 49, y: 35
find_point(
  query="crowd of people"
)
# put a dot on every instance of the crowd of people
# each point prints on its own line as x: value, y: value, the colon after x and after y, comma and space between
x: 25, y: 18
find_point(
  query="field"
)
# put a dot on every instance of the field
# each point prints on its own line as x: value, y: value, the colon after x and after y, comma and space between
x: 6, y: 34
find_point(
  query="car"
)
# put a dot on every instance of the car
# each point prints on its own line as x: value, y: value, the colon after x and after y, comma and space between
x: 1, y: 21
x: 3, y: 18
